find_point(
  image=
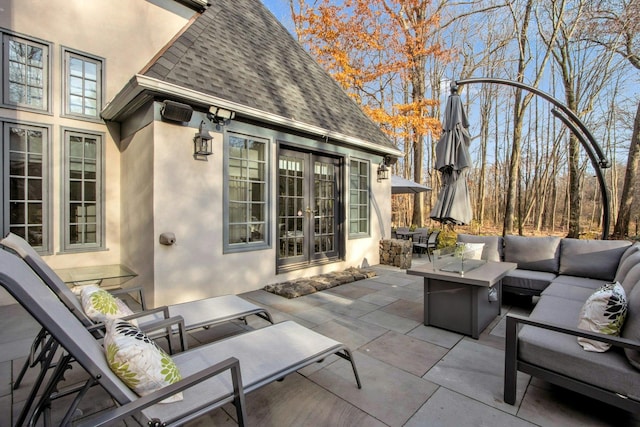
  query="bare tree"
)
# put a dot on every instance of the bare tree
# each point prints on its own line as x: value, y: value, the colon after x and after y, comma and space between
x: 615, y: 25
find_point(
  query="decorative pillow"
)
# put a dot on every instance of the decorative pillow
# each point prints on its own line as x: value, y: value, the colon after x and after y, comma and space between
x: 99, y: 305
x: 603, y: 312
x: 138, y: 361
x: 473, y: 250
x: 492, y: 245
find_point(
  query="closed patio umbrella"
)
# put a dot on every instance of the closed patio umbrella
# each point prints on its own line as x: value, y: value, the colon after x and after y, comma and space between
x: 453, y: 160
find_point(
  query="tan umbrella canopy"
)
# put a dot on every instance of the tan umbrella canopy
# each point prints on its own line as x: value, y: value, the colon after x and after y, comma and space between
x: 404, y: 186
x: 453, y: 160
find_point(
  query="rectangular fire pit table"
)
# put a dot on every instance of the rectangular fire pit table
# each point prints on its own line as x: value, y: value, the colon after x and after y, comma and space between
x: 464, y: 303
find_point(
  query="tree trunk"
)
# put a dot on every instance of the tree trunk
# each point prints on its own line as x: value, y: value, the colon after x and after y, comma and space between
x: 629, y: 188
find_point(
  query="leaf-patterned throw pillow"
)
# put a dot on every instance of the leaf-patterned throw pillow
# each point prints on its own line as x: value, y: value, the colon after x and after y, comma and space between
x: 138, y: 361
x: 603, y: 312
x: 99, y: 305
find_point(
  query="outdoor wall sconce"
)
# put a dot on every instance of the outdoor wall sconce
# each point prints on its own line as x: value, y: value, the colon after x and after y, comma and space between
x: 202, y: 143
x: 383, y: 171
x: 220, y: 116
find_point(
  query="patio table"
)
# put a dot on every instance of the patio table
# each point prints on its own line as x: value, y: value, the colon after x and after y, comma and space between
x: 464, y: 303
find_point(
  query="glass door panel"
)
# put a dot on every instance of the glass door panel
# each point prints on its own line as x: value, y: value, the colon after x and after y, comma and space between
x: 307, y: 207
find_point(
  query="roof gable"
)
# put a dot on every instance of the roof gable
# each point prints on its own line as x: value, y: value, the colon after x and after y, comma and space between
x: 238, y: 51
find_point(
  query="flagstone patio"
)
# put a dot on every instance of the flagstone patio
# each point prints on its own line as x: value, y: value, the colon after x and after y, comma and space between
x: 412, y: 375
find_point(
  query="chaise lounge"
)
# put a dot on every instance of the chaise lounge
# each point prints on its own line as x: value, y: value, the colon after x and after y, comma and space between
x: 264, y: 355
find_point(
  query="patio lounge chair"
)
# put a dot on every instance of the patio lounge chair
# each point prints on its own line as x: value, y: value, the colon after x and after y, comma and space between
x: 196, y: 314
x: 264, y: 355
x: 160, y: 322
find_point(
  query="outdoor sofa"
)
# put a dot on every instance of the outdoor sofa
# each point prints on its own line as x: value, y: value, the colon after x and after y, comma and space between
x: 565, y: 273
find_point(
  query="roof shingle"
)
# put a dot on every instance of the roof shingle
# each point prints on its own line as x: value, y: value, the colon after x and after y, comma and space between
x: 238, y: 51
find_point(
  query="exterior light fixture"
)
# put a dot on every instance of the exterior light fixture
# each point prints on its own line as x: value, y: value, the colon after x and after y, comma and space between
x: 383, y: 171
x: 202, y: 142
x: 220, y: 116
x: 176, y: 111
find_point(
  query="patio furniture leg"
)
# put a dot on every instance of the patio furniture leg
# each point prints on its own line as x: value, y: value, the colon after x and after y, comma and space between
x: 35, y: 356
x: 50, y: 348
x: 349, y: 356
x: 510, y: 363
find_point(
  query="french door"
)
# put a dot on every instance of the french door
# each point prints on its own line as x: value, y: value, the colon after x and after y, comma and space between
x: 308, y: 209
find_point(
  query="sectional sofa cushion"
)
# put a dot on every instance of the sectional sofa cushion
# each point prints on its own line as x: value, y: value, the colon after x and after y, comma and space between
x: 561, y: 353
x: 604, y: 311
x: 492, y: 245
x: 631, y: 328
x: 565, y: 290
x: 626, y: 264
x: 630, y: 280
x: 585, y: 282
x: 533, y: 253
x: 630, y: 250
x: 596, y: 259
x: 529, y: 280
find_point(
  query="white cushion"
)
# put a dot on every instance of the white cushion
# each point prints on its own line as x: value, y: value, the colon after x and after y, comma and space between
x: 473, y: 250
x: 138, y: 361
x: 603, y: 312
x: 99, y: 305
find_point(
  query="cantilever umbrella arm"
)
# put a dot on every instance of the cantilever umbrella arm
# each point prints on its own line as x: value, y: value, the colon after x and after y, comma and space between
x: 571, y: 120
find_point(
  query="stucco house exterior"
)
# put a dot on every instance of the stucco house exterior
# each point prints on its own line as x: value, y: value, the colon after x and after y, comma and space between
x: 126, y: 123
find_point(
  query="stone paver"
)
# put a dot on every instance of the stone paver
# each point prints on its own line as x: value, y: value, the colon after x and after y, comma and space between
x: 412, y: 375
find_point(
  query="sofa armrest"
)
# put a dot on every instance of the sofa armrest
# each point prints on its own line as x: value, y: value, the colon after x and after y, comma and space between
x: 511, y: 346
x: 513, y: 321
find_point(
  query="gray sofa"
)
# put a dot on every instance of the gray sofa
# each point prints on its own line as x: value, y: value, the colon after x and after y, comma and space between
x: 565, y: 272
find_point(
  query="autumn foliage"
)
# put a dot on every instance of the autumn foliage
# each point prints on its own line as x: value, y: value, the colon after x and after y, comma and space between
x: 376, y: 50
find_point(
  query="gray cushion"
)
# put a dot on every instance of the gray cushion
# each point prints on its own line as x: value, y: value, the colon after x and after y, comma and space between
x: 564, y: 290
x: 528, y: 279
x: 631, y: 328
x: 626, y: 264
x: 492, y: 245
x: 630, y: 250
x: 533, y: 253
x: 597, y: 259
x: 630, y: 280
x: 583, y: 282
x: 561, y: 353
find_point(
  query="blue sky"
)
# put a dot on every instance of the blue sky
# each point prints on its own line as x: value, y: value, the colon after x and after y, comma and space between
x: 280, y: 8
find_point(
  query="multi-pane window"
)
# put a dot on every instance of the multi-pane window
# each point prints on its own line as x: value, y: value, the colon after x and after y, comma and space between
x: 247, y: 192
x: 83, y: 191
x: 359, y: 198
x: 25, y: 68
x: 83, y: 85
x: 26, y: 207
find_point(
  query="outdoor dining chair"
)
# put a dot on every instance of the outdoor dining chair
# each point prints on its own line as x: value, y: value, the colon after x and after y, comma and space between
x: 429, y: 245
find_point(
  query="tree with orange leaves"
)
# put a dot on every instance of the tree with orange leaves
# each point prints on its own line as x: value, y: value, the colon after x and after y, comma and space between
x: 377, y: 50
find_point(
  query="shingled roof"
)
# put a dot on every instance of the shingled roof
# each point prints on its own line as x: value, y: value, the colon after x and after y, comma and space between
x: 238, y: 51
